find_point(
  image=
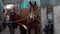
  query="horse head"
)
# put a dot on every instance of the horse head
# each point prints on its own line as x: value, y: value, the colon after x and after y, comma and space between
x: 33, y: 10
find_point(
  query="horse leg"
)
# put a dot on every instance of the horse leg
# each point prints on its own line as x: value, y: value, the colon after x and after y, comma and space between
x: 11, y: 28
x: 23, y: 30
x: 2, y: 27
x: 38, y: 30
x: 29, y: 31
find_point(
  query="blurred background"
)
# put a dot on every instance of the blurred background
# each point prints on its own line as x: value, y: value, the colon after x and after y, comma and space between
x: 42, y: 4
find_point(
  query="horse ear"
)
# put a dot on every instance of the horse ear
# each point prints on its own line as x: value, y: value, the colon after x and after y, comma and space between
x: 35, y: 3
x: 30, y: 3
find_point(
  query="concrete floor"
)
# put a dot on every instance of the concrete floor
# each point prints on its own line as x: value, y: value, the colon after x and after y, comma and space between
x: 17, y: 31
x: 6, y: 31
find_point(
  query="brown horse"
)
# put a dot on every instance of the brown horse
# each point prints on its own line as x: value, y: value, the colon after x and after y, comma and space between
x: 31, y: 18
x: 10, y: 25
x: 7, y: 18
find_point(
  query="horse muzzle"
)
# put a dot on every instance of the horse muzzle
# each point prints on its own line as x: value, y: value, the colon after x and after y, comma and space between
x: 31, y: 18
